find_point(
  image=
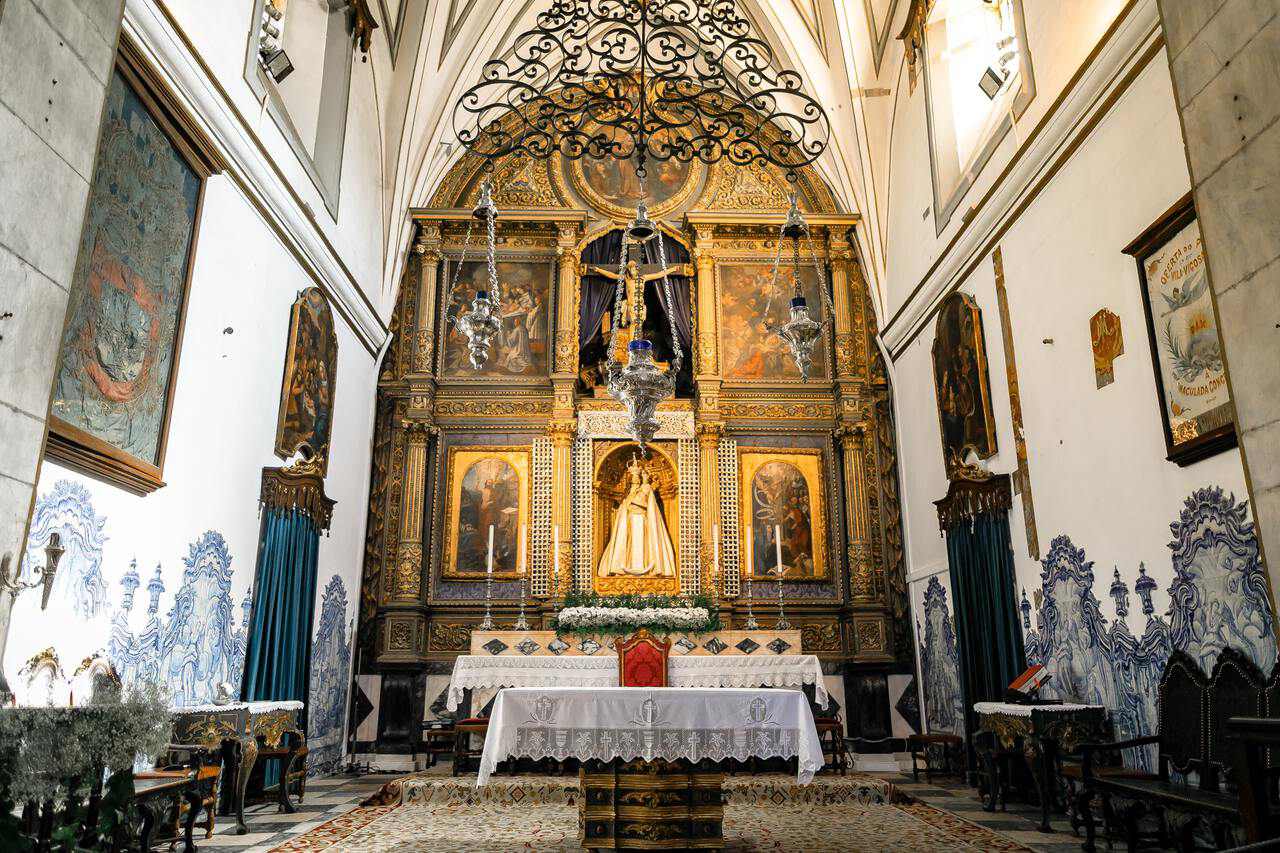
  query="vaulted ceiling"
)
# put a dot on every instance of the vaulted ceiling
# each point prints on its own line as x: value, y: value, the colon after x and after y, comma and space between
x: 817, y: 38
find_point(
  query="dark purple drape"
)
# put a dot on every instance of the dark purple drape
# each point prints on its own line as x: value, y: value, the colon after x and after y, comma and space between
x: 597, y: 291
x: 680, y: 314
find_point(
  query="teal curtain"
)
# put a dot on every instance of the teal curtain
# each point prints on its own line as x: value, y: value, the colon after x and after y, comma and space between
x: 279, y: 648
x: 986, y: 611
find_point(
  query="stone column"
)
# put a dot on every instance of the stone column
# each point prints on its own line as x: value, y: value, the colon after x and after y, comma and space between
x: 709, y: 434
x: 862, y: 583
x: 562, y: 433
x: 1222, y: 58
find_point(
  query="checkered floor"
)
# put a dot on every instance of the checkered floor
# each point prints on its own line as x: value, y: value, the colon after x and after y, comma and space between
x: 1019, y: 823
x: 326, y: 798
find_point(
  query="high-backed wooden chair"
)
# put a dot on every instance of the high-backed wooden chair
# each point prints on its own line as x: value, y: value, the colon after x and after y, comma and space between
x: 642, y: 660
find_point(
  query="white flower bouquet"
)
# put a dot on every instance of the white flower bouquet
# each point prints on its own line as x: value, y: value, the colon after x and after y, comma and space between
x: 603, y: 618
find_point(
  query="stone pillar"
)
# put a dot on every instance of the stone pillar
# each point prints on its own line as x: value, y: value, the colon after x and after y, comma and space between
x: 1222, y: 57
x: 562, y: 433
x: 709, y: 492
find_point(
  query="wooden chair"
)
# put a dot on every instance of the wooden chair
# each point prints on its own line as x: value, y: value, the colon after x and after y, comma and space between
x: 180, y: 761
x: 831, y: 739
x: 462, y: 750
x: 642, y: 660
x: 923, y: 747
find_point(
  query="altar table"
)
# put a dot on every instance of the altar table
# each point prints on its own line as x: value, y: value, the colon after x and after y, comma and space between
x: 483, y: 671
x: 649, y: 755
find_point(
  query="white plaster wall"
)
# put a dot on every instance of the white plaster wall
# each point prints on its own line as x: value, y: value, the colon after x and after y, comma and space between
x: 220, y: 436
x: 1096, y: 456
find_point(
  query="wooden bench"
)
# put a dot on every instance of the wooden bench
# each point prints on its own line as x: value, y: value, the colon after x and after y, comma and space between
x: 1192, y: 788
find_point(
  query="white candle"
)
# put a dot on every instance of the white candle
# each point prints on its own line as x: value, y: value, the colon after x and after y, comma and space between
x: 715, y: 546
x: 490, y: 568
x: 747, y: 562
x: 520, y: 548
x: 777, y: 542
x: 555, y: 564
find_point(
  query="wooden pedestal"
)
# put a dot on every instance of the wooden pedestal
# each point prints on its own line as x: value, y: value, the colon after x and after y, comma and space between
x: 651, y: 805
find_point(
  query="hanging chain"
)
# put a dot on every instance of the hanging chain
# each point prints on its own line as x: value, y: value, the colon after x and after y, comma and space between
x: 457, y: 274
x: 773, y: 282
x: 678, y: 355
x: 491, y: 219
x: 828, y: 309
x: 617, y: 303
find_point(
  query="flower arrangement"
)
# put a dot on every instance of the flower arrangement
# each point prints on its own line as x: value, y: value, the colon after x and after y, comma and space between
x: 620, y: 615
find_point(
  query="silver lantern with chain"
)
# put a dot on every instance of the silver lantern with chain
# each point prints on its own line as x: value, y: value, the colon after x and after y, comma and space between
x: 640, y: 385
x: 801, y: 333
x: 480, y: 323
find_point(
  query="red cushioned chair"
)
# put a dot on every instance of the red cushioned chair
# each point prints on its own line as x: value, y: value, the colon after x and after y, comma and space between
x: 642, y: 661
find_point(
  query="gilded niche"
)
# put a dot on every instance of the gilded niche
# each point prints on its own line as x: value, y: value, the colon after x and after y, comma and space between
x: 637, y: 521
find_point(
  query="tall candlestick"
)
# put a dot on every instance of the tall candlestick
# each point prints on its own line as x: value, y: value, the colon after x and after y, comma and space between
x: 783, y: 624
x: 487, y: 624
x: 777, y: 544
x: 521, y: 624
x: 715, y: 562
x: 490, y: 560
x: 751, y: 624
x: 555, y: 563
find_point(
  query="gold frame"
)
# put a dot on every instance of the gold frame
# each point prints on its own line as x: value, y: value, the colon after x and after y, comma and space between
x: 282, y: 448
x: 809, y: 462
x: 602, y: 526
x: 979, y: 344
x: 567, y: 173
x: 461, y: 460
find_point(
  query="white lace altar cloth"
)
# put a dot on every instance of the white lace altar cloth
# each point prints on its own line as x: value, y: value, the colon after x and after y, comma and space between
x: 255, y: 708
x: 482, y: 671
x: 1012, y: 710
x: 667, y: 723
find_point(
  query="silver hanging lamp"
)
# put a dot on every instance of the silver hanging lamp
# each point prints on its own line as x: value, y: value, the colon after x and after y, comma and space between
x: 801, y: 333
x: 640, y: 385
x: 480, y: 323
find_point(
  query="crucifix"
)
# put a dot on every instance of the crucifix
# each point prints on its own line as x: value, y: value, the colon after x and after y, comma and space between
x: 631, y: 323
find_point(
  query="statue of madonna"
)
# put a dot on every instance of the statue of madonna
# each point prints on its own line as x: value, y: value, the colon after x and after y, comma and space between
x: 639, y: 545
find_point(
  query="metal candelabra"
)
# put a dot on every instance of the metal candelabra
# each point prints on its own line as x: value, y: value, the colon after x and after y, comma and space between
x: 487, y: 624
x: 783, y: 624
x: 521, y: 623
x: 752, y: 624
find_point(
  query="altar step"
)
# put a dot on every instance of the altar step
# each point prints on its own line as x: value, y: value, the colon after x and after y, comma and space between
x: 762, y: 789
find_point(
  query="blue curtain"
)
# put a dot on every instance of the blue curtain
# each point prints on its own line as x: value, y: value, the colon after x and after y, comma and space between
x: 986, y: 611
x: 279, y: 647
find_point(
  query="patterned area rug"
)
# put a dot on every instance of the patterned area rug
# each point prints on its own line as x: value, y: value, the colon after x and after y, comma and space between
x: 497, y: 827
x: 774, y: 789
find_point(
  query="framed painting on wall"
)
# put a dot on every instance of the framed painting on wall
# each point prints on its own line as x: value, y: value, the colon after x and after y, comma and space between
x: 1186, y: 348
x: 782, y: 491
x: 486, y: 487
x: 113, y: 390
x: 961, y: 382
x: 310, y: 374
x: 521, y: 350
x: 749, y: 352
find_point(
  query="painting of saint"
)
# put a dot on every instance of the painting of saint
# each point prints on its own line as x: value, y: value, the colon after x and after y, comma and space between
x: 1191, y: 380
x: 113, y: 390
x: 488, y: 489
x: 306, y: 396
x: 782, y: 497
x: 748, y: 351
x: 615, y: 181
x: 960, y: 381
x: 521, y: 347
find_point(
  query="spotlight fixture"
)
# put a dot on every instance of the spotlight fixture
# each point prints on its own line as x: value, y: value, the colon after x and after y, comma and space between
x: 992, y: 82
x: 278, y: 65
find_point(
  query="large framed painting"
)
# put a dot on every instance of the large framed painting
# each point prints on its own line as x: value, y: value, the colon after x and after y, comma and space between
x: 961, y: 382
x: 782, y: 491
x: 486, y: 487
x: 1186, y: 348
x: 612, y: 187
x: 748, y: 351
x: 310, y: 374
x: 521, y: 350
x: 114, y: 387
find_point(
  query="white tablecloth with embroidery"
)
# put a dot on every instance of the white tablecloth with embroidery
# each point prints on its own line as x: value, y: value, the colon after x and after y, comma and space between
x: 479, y: 671
x: 668, y: 723
x: 1012, y: 710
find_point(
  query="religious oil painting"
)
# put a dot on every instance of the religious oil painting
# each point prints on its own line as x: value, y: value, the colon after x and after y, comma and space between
x: 306, y: 395
x: 961, y: 382
x: 1191, y: 380
x: 783, y: 498
x: 521, y: 349
x: 113, y: 391
x: 612, y: 186
x: 749, y: 298
x: 488, y: 487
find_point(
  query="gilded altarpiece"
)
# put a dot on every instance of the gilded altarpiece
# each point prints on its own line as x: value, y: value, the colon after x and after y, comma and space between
x: 845, y: 594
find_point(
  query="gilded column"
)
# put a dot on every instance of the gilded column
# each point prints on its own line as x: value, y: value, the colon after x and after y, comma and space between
x: 709, y: 491
x: 565, y: 374
x: 862, y: 583
x: 562, y: 433
x: 844, y: 281
x: 404, y: 622
x: 428, y: 249
x: 707, y: 356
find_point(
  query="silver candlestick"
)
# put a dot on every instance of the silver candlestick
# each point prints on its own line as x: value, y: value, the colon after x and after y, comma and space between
x: 752, y: 624
x: 521, y: 623
x: 487, y: 624
x: 783, y: 624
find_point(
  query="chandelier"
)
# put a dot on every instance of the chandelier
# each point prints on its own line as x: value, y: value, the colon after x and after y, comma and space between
x: 801, y: 333
x: 480, y: 323
x: 640, y: 81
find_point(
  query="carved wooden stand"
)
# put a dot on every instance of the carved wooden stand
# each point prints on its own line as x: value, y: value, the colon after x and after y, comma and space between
x: 651, y: 805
